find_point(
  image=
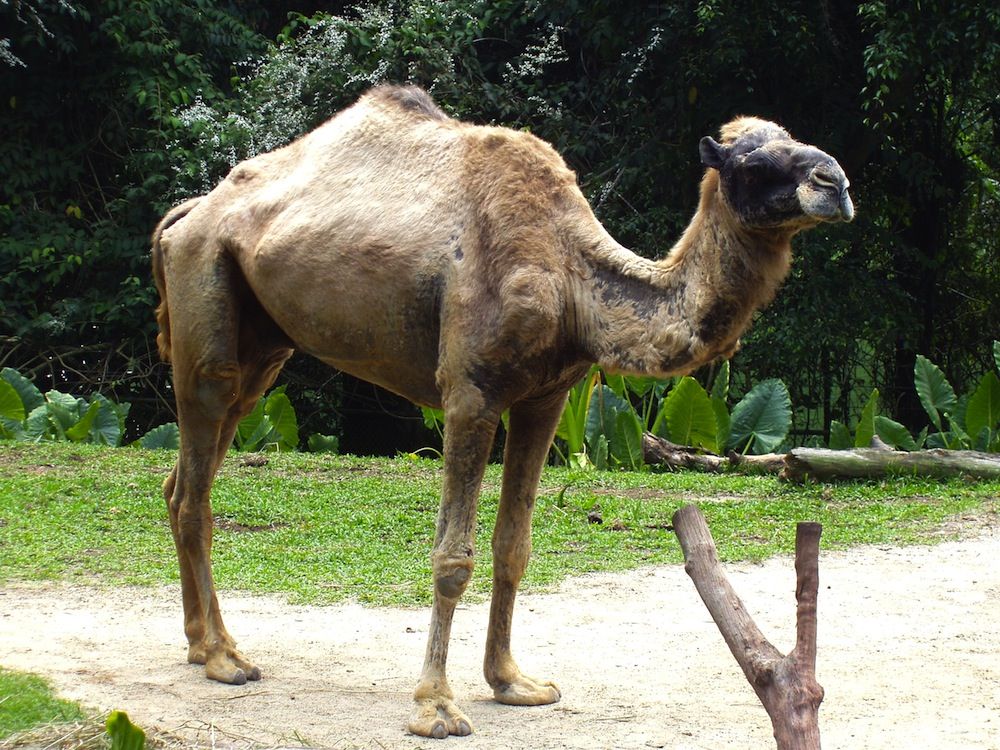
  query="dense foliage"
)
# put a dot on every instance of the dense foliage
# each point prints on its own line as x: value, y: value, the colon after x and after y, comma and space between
x: 112, y: 111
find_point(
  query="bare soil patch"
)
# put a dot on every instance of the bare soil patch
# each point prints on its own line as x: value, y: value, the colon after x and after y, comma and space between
x: 909, y: 655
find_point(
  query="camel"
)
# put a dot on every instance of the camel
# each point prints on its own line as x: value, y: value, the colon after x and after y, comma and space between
x: 461, y: 267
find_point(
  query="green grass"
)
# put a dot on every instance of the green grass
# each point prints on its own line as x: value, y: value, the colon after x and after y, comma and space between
x: 26, y: 701
x: 321, y: 528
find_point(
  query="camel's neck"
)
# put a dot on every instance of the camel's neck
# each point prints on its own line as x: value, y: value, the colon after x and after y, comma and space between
x: 671, y: 316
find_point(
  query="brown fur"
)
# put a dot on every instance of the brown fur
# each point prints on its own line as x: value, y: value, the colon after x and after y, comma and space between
x: 461, y: 267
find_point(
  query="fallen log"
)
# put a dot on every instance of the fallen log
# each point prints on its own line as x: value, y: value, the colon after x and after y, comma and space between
x: 820, y: 463
x: 785, y: 685
x: 868, y: 463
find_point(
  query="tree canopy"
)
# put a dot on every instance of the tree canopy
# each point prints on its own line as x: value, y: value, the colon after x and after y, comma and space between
x: 115, y: 110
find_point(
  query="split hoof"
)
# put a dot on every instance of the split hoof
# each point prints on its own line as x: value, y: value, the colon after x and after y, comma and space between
x: 526, y: 691
x: 439, y: 718
x: 227, y: 665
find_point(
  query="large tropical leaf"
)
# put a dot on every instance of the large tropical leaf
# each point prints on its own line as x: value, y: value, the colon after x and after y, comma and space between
x: 996, y: 353
x: 37, y: 426
x: 690, y: 419
x: 64, y: 411
x: 11, y: 405
x: 109, y: 423
x: 613, y: 418
x: 165, y: 437
x: 80, y: 431
x: 253, y: 429
x: 573, y: 422
x: 11, y: 411
x: 722, y: 421
x: 278, y: 408
x: 760, y: 422
x: 31, y: 397
x: 895, y: 434
x: 271, y: 424
x: 934, y: 390
x: 626, y: 442
x: 983, y: 409
x: 720, y: 386
x: 840, y: 436
x: 865, y: 430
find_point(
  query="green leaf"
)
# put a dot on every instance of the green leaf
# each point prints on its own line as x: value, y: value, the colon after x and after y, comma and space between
x: 11, y: 405
x: 996, y: 354
x: 64, y: 411
x: 124, y: 734
x: 109, y: 424
x: 433, y: 418
x: 722, y: 422
x: 599, y: 453
x: 865, y: 430
x: 38, y: 426
x: 893, y: 433
x: 252, y: 429
x: 573, y: 422
x: 626, y: 445
x: 323, y: 443
x: 616, y: 383
x: 760, y: 422
x: 604, y: 420
x: 80, y: 431
x: 983, y: 409
x: 165, y: 437
x: 278, y: 408
x: 720, y: 386
x: 31, y: 397
x: 934, y: 390
x: 640, y: 385
x: 689, y: 416
x: 840, y: 436
x: 271, y: 424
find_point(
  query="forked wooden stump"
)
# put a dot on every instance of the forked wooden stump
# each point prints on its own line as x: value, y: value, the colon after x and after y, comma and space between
x: 786, y: 685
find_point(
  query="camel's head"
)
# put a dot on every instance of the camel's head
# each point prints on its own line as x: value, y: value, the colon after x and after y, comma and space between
x: 771, y: 180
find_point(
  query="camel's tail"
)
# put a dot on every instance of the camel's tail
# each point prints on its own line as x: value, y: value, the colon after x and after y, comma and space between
x: 162, y: 312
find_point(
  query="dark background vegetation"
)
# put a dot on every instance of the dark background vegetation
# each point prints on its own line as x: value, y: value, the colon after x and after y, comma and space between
x: 113, y: 110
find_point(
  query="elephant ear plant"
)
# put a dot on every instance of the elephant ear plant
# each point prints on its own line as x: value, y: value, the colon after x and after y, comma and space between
x: 605, y: 416
x: 967, y: 422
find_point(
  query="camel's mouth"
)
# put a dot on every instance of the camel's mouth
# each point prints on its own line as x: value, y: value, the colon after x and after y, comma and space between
x: 824, y: 194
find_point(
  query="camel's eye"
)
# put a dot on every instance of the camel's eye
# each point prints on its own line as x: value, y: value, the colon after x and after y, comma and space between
x: 763, y: 172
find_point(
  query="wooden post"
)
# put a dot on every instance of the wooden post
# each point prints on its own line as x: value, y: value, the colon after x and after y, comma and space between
x: 785, y: 685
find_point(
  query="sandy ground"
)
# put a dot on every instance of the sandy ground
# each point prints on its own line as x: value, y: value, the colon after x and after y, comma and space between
x: 909, y: 655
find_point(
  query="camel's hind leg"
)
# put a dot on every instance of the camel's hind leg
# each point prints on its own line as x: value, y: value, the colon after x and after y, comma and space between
x: 225, y: 355
x: 531, y: 427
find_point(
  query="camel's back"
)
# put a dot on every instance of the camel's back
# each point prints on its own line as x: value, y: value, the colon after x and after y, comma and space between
x: 352, y: 236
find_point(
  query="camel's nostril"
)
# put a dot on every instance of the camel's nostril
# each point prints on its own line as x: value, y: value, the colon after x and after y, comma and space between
x: 846, y: 205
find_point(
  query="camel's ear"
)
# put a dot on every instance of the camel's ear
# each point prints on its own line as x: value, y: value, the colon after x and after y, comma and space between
x: 713, y: 153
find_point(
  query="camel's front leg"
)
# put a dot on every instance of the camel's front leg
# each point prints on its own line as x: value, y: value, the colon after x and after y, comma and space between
x: 469, y: 431
x: 532, y: 425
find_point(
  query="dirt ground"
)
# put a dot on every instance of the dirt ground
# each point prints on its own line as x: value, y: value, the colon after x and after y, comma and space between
x: 909, y: 655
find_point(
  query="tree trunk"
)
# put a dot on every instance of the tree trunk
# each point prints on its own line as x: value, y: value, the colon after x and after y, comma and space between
x: 785, y: 685
x: 820, y: 463
x: 873, y: 463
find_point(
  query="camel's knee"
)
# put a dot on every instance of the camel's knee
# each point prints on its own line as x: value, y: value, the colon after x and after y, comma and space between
x: 452, y: 574
x: 212, y: 388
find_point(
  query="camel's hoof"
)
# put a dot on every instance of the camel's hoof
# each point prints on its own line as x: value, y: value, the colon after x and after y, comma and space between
x: 438, y: 718
x: 525, y: 691
x: 228, y: 666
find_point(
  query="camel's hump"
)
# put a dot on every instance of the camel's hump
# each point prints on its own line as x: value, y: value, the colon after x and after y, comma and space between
x: 413, y: 99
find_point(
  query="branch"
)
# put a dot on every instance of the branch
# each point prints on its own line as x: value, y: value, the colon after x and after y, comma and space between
x: 785, y: 685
